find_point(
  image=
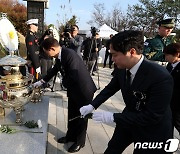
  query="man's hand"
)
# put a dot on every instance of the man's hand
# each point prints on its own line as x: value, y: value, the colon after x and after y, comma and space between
x: 105, y: 117
x: 38, y: 83
x: 86, y: 110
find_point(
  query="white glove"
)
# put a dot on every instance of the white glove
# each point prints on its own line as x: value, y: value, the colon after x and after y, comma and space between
x: 105, y: 117
x: 86, y: 110
x: 38, y: 70
x: 38, y: 83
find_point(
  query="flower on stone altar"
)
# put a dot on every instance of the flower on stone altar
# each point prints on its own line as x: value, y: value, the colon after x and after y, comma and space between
x: 39, y: 123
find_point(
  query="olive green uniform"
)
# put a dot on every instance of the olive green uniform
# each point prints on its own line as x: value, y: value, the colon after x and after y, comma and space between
x: 153, y: 48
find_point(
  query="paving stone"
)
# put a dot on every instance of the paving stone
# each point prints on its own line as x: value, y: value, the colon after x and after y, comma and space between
x: 52, y: 143
x: 98, y: 138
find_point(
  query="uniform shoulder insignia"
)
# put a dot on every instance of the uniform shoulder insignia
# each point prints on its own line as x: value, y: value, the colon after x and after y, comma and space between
x: 147, y: 42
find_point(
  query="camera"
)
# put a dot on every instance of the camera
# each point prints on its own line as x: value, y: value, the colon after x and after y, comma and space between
x: 94, y: 30
x: 65, y: 38
x: 67, y: 29
x: 49, y: 32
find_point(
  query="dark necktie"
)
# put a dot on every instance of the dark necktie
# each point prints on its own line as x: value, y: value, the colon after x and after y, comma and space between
x: 170, y: 68
x: 128, y: 79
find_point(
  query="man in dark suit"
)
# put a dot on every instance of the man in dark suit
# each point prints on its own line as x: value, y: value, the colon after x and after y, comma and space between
x: 172, y: 56
x: 146, y: 89
x: 80, y: 89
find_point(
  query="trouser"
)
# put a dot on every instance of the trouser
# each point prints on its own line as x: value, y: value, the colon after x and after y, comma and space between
x: 176, y: 120
x: 46, y: 65
x: 123, y: 137
x: 91, y: 65
x: 76, y: 128
x: 95, y: 68
x: 110, y: 59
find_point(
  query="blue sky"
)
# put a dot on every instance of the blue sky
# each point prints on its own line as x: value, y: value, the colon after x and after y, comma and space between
x: 81, y: 8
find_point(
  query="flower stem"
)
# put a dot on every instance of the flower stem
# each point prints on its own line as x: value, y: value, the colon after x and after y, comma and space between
x: 28, y: 131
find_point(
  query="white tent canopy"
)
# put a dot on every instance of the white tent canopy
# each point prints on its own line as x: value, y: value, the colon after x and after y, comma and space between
x: 106, y: 31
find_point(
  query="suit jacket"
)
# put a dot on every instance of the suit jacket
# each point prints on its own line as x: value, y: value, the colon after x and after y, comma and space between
x: 80, y: 86
x: 175, y: 102
x: 147, y: 101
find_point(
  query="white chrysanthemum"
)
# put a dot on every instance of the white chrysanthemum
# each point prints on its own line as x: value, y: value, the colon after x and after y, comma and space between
x: 8, y: 35
x: 39, y: 123
x: 55, y: 33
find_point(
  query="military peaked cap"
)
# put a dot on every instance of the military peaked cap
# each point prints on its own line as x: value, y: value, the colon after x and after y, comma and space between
x: 169, y: 23
x: 32, y: 21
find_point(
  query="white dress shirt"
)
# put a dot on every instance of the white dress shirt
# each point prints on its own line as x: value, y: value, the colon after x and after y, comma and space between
x: 135, y: 68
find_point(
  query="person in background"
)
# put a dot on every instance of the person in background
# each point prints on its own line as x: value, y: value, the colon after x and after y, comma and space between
x: 99, y: 41
x: 108, y: 54
x: 75, y: 40
x: 45, y: 60
x: 153, y: 48
x: 80, y: 89
x: 172, y: 56
x: 92, y: 46
x: 33, y: 47
x: 146, y: 89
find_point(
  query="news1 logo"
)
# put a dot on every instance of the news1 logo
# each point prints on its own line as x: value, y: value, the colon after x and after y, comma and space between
x: 171, y: 145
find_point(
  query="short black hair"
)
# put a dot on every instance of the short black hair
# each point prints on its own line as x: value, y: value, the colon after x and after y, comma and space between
x: 75, y: 26
x: 124, y: 41
x: 49, y: 43
x: 172, y: 49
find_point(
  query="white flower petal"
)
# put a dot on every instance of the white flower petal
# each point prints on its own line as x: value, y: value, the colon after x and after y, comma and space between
x: 39, y: 123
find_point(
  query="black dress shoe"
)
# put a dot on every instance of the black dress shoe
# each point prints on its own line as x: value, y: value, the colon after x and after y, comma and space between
x: 62, y: 140
x: 75, y: 148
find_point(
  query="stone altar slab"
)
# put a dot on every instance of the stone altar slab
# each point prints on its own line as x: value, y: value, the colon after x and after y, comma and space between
x: 23, y: 142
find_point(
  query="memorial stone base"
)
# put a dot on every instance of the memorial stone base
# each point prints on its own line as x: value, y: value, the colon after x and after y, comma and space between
x: 26, y: 142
